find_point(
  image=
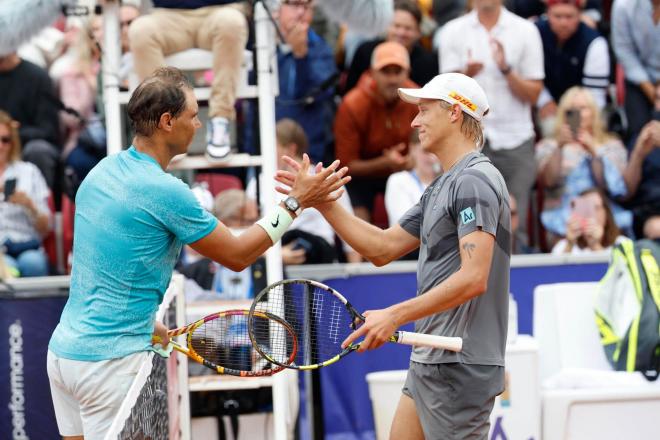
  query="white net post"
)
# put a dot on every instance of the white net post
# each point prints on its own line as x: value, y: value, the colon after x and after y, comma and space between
x: 266, y: 82
x: 111, y: 58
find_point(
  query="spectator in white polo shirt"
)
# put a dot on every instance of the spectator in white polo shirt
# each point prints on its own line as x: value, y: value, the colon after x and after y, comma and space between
x: 504, y: 54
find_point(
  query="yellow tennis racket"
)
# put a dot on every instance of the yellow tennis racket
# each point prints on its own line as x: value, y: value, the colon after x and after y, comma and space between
x: 220, y: 341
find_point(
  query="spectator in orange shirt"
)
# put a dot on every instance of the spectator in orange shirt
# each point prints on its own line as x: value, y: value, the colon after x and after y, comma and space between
x: 372, y: 126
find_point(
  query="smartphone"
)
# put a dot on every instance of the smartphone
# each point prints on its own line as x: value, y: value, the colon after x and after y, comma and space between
x: 573, y: 120
x: 583, y: 207
x: 10, y: 187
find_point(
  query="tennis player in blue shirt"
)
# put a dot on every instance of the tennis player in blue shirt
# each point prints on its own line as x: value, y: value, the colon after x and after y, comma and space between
x: 131, y: 221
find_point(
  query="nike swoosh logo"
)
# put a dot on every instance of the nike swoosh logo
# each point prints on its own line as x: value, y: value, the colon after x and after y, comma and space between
x: 276, y: 222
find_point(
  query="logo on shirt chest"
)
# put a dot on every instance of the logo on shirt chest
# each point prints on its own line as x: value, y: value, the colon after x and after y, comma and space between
x: 467, y: 215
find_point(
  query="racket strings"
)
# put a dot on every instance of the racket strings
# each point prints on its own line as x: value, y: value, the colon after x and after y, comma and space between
x: 319, y: 320
x: 225, y: 341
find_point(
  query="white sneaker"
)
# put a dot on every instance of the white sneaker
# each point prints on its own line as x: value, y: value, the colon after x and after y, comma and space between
x: 218, y: 141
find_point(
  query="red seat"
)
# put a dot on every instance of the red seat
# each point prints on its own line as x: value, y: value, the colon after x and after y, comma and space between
x: 537, y: 236
x: 379, y: 213
x: 219, y: 182
x: 50, y: 241
x: 59, y: 241
x: 68, y: 213
x: 620, y: 81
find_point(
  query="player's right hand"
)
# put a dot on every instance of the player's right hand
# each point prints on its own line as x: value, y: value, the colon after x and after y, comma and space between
x: 311, y: 189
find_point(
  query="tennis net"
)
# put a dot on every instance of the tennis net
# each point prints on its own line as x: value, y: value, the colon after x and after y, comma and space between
x: 149, y: 410
x: 145, y: 409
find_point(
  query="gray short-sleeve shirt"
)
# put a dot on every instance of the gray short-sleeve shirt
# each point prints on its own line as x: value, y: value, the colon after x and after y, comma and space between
x: 471, y: 196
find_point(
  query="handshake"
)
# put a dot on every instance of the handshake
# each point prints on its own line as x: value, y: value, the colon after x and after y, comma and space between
x: 322, y: 186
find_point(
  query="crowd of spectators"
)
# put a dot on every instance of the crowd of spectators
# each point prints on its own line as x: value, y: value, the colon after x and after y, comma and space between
x: 573, y: 87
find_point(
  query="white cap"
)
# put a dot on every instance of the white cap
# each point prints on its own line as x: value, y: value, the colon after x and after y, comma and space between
x: 454, y: 88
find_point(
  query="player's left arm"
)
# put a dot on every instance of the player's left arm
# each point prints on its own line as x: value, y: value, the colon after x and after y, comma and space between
x: 470, y: 281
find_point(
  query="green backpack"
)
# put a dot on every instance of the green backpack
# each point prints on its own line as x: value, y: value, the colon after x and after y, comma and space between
x: 628, y: 308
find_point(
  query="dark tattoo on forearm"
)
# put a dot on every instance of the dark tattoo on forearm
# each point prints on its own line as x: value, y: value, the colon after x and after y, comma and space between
x: 469, y: 247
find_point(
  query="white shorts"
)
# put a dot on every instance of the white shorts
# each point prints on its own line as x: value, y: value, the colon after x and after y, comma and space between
x: 87, y: 395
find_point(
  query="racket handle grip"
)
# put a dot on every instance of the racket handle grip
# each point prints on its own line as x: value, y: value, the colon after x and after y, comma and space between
x: 431, y: 341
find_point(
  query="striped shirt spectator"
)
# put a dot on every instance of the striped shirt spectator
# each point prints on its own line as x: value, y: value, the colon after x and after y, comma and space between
x: 574, y: 55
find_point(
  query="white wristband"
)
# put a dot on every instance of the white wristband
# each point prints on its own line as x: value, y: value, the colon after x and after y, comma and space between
x: 276, y: 222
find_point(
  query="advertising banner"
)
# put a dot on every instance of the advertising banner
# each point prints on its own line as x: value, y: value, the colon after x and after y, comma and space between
x: 26, y: 409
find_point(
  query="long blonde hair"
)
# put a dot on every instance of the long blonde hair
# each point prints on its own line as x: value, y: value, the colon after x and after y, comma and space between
x: 15, y: 150
x: 598, y: 131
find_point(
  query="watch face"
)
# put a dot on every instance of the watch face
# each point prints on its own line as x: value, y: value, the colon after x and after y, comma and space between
x: 292, y: 204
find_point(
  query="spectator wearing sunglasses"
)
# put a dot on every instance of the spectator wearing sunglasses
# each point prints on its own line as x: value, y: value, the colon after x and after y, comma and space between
x: 24, y: 214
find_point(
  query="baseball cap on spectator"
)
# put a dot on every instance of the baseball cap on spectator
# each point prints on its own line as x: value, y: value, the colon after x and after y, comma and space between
x: 453, y: 88
x: 576, y: 3
x: 390, y: 53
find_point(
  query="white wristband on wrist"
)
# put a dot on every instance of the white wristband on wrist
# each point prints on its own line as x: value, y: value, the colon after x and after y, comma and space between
x: 276, y: 222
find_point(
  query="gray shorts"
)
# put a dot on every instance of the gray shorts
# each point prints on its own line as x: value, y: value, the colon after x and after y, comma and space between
x: 454, y: 401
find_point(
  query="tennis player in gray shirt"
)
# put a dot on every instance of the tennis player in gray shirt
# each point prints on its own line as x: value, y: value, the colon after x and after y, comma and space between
x: 462, y: 225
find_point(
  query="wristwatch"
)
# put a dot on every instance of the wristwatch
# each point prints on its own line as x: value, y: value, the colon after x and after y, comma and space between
x: 292, y: 204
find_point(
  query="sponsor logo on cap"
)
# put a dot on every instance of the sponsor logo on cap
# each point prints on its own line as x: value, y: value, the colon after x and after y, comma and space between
x: 463, y: 100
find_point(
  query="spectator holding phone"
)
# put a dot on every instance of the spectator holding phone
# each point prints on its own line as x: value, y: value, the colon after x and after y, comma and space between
x: 579, y: 156
x: 590, y: 226
x: 24, y: 215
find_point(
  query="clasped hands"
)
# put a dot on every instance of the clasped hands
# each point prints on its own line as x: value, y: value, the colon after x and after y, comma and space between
x: 324, y: 185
